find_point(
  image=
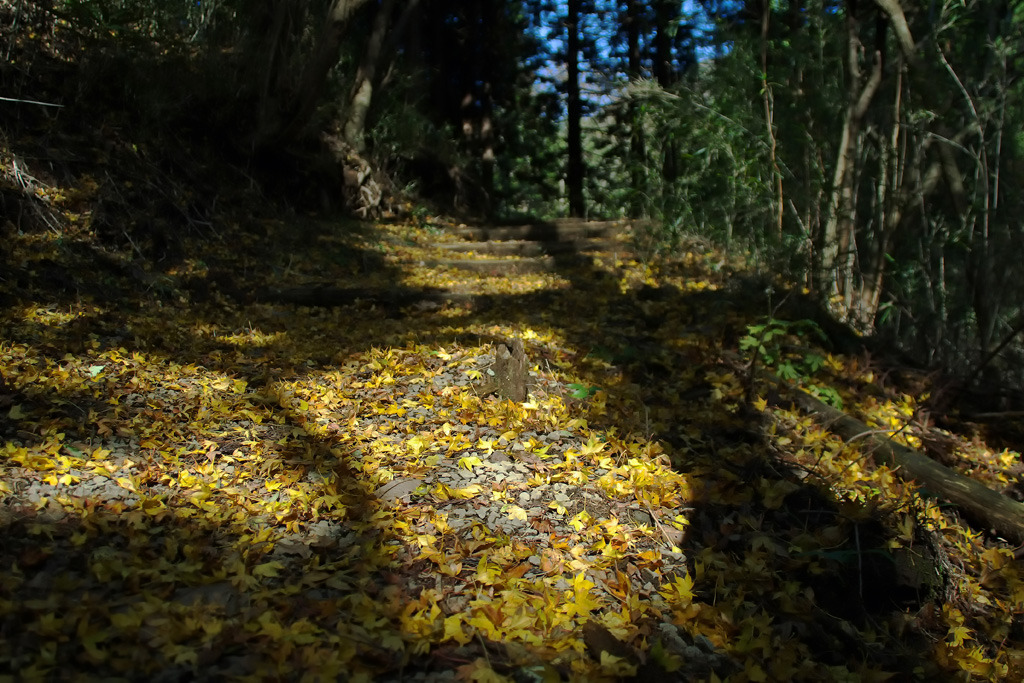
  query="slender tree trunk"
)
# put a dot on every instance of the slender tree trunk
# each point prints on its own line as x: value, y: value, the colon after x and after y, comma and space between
x: 769, y: 118
x: 476, y: 108
x: 354, y: 129
x: 637, y: 149
x: 269, y: 67
x: 314, y: 76
x: 664, y: 74
x: 898, y: 21
x: 487, y: 153
x: 574, y: 106
x: 997, y: 296
x: 663, y: 16
x: 835, y: 273
x: 887, y: 203
x: 490, y: 20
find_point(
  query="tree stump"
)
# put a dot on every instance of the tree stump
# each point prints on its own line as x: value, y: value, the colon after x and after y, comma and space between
x: 510, y: 373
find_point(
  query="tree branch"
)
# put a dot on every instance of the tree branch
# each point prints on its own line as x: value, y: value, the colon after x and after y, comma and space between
x: 898, y: 20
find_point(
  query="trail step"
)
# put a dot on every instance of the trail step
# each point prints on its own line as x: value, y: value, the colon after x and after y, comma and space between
x: 544, y: 232
x: 532, y: 248
x: 512, y: 250
x: 512, y: 266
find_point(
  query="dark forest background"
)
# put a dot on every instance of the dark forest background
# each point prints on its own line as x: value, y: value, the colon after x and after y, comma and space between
x: 869, y: 152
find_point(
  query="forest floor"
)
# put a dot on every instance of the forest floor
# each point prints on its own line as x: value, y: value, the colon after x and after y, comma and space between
x: 276, y: 458
x: 239, y: 443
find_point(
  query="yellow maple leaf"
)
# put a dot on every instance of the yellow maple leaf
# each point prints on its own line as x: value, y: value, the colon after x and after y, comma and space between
x: 616, y: 666
x: 453, y: 630
x: 469, y: 462
x: 417, y: 444
x: 580, y: 584
x: 90, y: 641
x: 959, y: 634
x: 580, y: 520
x: 153, y: 506
x: 593, y: 446
x: 480, y: 622
x: 211, y: 626
x: 187, y: 480
x: 17, y: 412
x: 516, y: 512
x: 487, y: 575
x: 584, y: 602
x: 269, y: 626
x: 267, y: 569
x: 612, y: 552
x: 471, y: 491
x: 558, y: 507
x: 679, y: 591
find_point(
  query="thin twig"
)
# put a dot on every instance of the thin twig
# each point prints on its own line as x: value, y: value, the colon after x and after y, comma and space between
x: 658, y: 523
x: 41, y: 104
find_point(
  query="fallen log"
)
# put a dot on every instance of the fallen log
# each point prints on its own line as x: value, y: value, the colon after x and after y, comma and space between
x: 981, y: 505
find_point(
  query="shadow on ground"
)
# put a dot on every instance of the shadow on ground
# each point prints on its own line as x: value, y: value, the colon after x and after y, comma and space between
x: 793, y: 564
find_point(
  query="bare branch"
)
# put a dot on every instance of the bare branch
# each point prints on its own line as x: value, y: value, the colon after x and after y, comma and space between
x: 898, y: 20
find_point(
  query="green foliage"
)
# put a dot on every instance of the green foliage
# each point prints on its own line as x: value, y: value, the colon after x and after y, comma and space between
x: 717, y: 189
x: 826, y: 394
x: 145, y: 21
x: 703, y: 128
x: 768, y: 336
x: 581, y: 391
x: 784, y: 347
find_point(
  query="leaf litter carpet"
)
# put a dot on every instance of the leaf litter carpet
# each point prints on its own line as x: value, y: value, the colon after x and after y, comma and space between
x: 204, y: 480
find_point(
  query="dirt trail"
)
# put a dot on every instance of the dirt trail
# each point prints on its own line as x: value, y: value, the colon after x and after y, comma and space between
x: 305, y: 467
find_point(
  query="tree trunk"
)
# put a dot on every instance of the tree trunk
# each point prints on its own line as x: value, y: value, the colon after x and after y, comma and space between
x: 314, y: 76
x: 986, y: 508
x: 664, y: 13
x: 574, y: 112
x: 663, y: 16
x: 888, y: 207
x: 769, y: 119
x: 488, y: 20
x: 354, y: 129
x: 836, y: 277
x: 487, y: 154
x: 267, y: 67
x: 637, y: 151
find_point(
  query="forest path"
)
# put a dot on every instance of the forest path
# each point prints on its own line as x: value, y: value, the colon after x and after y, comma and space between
x: 284, y: 454
x: 533, y: 247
